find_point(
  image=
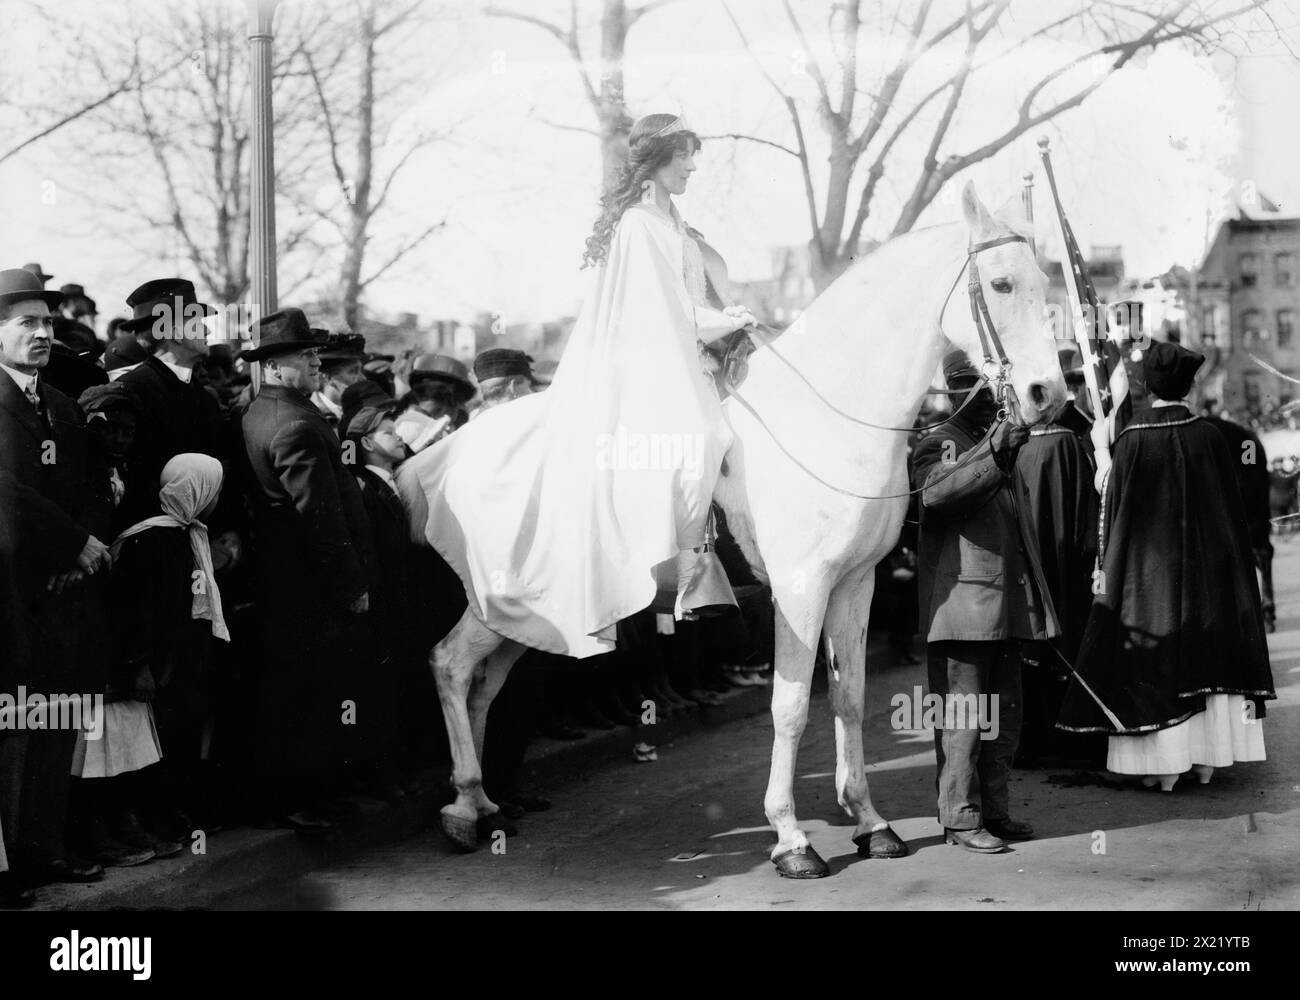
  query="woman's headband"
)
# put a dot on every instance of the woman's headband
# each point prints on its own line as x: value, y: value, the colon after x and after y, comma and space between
x: 678, y: 124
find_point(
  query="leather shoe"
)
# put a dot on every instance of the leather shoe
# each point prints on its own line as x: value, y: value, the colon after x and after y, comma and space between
x: 64, y: 870
x: 1009, y: 829
x: 980, y: 841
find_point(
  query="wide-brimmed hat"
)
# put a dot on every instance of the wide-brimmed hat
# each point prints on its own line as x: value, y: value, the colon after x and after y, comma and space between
x: 344, y: 347
x: 161, y: 292
x: 35, y: 269
x: 503, y: 362
x: 440, y: 368
x: 280, y: 333
x: 17, y: 284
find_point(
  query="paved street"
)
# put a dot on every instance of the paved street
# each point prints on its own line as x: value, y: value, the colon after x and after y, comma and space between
x: 688, y: 832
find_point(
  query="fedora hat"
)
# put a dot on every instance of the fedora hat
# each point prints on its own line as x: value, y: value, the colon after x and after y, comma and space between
x: 440, y: 368
x: 280, y: 333
x: 19, y: 284
x: 151, y: 300
x: 37, y: 270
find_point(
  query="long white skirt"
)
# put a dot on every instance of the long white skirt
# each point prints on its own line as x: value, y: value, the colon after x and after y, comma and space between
x: 1217, y: 737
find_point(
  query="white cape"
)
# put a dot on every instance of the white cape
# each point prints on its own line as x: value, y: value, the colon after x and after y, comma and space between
x: 556, y: 508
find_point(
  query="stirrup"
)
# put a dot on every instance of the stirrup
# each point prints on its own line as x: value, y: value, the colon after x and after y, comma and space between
x: 703, y: 590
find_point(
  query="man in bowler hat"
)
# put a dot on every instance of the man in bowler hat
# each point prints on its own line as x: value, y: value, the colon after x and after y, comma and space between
x: 177, y: 415
x: 47, y: 551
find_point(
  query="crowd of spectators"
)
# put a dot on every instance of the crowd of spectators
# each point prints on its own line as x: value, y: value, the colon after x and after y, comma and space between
x: 228, y: 572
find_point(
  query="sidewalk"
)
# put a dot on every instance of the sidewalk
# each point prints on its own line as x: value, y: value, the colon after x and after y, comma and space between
x: 241, y: 859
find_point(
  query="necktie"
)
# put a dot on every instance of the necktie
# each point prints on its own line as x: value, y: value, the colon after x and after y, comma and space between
x: 33, y: 396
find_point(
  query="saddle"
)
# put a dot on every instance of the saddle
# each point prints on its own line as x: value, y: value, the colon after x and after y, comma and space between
x: 727, y: 360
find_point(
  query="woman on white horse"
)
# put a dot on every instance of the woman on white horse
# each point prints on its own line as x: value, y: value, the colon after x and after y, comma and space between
x: 601, y: 486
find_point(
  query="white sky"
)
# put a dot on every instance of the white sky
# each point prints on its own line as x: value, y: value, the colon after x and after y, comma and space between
x: 1140, y: 164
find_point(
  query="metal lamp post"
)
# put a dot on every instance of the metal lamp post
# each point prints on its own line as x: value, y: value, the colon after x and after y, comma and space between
x: 262, y: 291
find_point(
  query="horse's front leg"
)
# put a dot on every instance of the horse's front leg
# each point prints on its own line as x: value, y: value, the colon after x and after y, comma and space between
x: 847, y: 614
x: 455, y: 661
x: 798, y: 624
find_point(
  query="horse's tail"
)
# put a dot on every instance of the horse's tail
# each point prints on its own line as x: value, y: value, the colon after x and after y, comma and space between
x: 414, y: 500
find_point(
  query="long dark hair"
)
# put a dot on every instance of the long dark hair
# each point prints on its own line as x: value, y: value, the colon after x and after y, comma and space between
x: 645, y: 155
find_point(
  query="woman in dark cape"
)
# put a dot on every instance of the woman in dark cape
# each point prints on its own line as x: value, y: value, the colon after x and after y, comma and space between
x: 1174, y: 648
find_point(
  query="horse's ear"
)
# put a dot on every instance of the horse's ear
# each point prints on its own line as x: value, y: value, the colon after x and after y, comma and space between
x: 977, y: 216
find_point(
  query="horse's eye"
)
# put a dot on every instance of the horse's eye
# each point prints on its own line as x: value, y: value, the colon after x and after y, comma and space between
x: 1002, y: 285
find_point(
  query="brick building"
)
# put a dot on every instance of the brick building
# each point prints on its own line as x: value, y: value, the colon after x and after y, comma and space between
x: 1245, y: 302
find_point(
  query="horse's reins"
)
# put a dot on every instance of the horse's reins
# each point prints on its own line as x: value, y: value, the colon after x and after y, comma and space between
x: 996, y: 372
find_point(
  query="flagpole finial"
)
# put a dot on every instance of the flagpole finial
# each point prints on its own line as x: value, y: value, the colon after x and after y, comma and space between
x: 1028, y: 178
x: 1043, y: 143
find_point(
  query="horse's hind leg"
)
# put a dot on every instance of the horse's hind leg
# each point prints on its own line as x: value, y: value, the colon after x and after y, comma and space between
x: 455, y: 661
x: 845, y: 638
x: 488, y: 682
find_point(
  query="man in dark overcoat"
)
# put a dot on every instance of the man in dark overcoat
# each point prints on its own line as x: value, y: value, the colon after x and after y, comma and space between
x: 50, y: 553
x: 981, y: 594
x: 310, y: 551
x: 177, y: 415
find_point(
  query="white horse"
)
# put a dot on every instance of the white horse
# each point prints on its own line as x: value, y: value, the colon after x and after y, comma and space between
x: 868, y: 346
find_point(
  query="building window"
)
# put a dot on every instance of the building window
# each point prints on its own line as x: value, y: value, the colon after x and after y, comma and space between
x: 1284, y: 270
x: 1252, y: 327
x: 1209, y: 324
x: 1285, y: 324
x: 1249, y: 269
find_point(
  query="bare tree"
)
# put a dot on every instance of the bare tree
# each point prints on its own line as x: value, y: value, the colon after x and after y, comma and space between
x: 864, y: 125
x: 360, y: 86
x: 178, y: 149
x: 604, y: 93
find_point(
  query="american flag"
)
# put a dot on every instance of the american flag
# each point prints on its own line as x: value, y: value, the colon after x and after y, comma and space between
x: 1105, y: 358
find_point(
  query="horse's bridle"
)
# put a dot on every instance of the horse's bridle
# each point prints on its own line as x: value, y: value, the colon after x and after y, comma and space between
x: 995, y: 371
x: 996, y: 368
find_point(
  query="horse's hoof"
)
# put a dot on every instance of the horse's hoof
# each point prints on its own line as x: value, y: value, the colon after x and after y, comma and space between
x: 880, y: 844
x: 490, y: 823
x: 808, y: 864
x: 460, y: 831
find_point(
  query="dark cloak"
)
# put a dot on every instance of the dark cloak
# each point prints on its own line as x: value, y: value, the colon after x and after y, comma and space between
x: 1054, y: 474
x: 1179, y: 616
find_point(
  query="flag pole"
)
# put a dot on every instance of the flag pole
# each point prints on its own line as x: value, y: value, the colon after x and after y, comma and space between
x: 1100, y: 409
x: 1027, y: 199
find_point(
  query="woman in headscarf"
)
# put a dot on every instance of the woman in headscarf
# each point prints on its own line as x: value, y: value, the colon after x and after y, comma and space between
x: 167, y: 618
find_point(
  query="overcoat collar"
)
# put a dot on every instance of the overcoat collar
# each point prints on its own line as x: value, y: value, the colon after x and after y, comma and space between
x: 16, y: 402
